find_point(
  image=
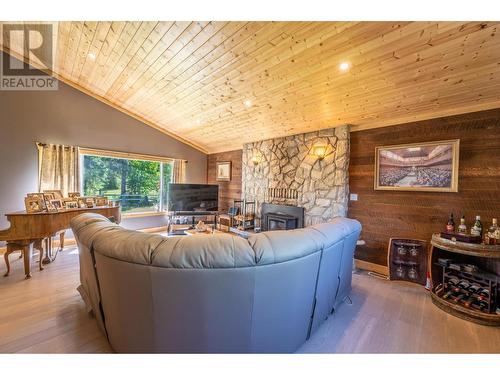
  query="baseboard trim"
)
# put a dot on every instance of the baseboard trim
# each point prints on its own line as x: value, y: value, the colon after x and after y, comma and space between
x: 368, y: 266
x: 72, y: 241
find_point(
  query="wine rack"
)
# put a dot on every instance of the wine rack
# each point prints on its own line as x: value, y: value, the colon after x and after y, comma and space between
x: 465, y: 279
x: 407, y: 260
x: 473, y: 290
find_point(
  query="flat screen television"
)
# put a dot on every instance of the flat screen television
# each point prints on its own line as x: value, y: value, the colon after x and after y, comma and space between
x: 193, y: 197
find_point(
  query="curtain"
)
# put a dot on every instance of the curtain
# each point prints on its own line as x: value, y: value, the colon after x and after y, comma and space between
x: 179, y: 172
x: 58, y: 168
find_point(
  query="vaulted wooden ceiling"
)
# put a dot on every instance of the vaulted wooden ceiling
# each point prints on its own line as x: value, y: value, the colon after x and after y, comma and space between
x: 192, y: 79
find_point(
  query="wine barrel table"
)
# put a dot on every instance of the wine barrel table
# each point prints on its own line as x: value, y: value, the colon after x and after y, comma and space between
x: 457, y: 254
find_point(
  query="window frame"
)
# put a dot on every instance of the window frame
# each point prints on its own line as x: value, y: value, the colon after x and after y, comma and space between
x: 83, y: 151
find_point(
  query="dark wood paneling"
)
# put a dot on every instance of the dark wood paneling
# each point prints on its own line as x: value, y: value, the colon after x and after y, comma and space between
x: 386, y: 214
x: 228, y: 190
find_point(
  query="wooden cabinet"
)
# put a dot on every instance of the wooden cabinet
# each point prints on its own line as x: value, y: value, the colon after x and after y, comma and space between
x: 463, y: 275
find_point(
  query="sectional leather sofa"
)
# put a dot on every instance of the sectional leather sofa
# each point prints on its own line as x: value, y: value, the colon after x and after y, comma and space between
x: 213, y: 293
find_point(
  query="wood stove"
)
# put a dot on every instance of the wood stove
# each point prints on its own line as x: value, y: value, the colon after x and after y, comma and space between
x: 281, y: 217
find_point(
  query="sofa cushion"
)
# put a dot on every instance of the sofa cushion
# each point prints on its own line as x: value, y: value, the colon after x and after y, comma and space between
x: 83, y: 220
x: 219, y: 250
x: 281, y: 246
x: 128, y: 245
x: 335, y: 230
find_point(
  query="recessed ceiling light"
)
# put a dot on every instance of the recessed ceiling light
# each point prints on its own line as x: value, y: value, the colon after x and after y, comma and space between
x: 344, y: 66
x: 247, y: 103
x: 198, y: 122
x: 91, y: 55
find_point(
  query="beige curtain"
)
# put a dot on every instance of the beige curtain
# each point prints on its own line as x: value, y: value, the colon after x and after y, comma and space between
x: 179, y: 172
x: 58, y: 168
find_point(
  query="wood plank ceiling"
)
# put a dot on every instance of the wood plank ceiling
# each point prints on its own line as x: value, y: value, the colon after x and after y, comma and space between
x: 192, y: 79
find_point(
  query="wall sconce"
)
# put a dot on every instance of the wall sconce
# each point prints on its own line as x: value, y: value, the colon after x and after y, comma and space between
x: 319, y: 151
x: 256, y: 159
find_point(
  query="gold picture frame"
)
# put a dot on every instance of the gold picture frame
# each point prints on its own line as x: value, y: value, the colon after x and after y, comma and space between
x: 50, y: 206
x: 57, y: 204
x: 81, y: 202
x: 100, y: 201
x: 57, y: 193
x: 71, y: 204
x: 223, y: 171
x: 409, y: 167
x: 33, y: 204
x: 41, y: 197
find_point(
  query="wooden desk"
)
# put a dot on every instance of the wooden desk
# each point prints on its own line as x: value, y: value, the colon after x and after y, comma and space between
x: 28, y: 231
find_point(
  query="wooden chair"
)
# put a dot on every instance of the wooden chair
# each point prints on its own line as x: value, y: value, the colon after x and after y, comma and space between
x: 245, y: 220
x: 227, y: 220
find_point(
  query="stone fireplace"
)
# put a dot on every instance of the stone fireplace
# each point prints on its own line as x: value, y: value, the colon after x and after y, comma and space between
x: 286, y: 171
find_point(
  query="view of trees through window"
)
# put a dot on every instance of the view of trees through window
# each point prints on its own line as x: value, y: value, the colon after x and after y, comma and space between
x: 134, y: 183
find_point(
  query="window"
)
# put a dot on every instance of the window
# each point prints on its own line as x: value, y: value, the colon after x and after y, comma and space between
x: 140, y: 184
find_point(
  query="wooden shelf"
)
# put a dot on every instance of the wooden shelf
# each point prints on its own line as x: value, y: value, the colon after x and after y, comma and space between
x: 480, y: 250
x: 465, y: 313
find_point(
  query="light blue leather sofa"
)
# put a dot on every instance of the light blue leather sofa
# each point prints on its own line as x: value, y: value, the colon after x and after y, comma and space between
x: 213, y: 293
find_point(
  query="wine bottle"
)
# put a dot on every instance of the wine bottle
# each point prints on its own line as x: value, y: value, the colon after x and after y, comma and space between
x: 447, y: 294
x: 462, y: 228
x: 450, y: 226
x: 468, y: 301
x: 484, y: 293
x: 477, y: 228
x: 458, y: 297
x: 464, y: 284
x: 474, y: 288
x: 491, y: 237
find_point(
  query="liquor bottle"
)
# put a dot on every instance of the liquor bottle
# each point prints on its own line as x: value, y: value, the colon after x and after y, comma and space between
x: 450, y: 226
x: 492, y: 233
x: 477, y: 229
x: 462, y: 228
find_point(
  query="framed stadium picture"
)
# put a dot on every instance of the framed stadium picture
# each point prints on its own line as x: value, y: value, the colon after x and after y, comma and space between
x: 429, y: 166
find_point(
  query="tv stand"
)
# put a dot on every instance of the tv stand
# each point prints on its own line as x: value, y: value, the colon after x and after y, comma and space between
x: 192, y: 214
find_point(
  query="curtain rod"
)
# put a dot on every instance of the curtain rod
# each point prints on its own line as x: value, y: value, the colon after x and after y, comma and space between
x: 118, y: 154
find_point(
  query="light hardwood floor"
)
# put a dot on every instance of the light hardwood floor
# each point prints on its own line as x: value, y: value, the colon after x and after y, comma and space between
x: 46, y: 315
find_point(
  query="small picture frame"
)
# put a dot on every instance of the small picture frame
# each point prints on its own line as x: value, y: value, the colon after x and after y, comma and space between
x: 50, y: 207
x: 70, y: 205
x: 39, y: 195
x: 75, y: 194
x: 57, y: 203
x: 48, y: 196
x: 57, y: 193
x: 89, y: 202
x: 81, y: 203
x: 33, y: 204
x: 223, y: 171
x: 101, y: 201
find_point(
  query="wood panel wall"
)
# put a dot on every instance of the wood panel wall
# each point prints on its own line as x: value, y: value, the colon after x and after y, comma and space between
x: 386, y: 214
x: 228, y: 190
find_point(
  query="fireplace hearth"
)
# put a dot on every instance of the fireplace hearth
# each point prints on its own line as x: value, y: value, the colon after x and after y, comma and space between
x: 281, y: 217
